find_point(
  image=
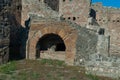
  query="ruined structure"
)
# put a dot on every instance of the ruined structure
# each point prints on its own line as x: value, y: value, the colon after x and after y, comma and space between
x: 55, y: 33
x: 74, y: 31
x: 4, y: 32
x: 10, y: 27
x: 109, y: 18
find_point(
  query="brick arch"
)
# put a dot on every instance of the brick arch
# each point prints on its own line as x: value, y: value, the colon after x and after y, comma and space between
x: 68, y: 35
x: 62, y: 33
x: 55, y: 40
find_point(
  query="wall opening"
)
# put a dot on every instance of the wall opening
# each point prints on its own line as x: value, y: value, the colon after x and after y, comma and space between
x: 53, y: 4
x: 50, y: 42
x: 101, y: 31
x: 68, y: 17
x: 118, y: 21
x: 93, y: 13
x: 74, y: 18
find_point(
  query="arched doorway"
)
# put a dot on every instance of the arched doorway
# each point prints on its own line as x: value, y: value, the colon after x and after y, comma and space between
x: 65, y: 40
x: 50, y: 43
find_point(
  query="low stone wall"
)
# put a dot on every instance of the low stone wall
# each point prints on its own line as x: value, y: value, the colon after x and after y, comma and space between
x: 4, y: 55
x: 113, y: 72
x: 104, y: 66
x: 53, y: 55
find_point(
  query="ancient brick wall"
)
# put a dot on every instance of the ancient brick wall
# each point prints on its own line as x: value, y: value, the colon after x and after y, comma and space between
x: 75, y: 10
x: 37, y: 7
x: 65, y: 8
x: 79, y: 41
x: 41, y: 28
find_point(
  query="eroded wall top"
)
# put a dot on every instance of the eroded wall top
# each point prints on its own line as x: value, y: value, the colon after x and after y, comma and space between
x: 36, y: 7
x: 75, y: 10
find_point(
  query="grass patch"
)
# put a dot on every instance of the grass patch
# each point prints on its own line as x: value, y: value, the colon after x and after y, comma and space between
x: 49, y: 75
x: 8, y: 68
x: 52, y: 62
x: 92, y: 77
x: 26, y: 75
x: 60, y: 74
x: 46, y: 61
x: 40, y: 70
x: 3, y: 77
x: 35, y: 75
x: 73, y: 78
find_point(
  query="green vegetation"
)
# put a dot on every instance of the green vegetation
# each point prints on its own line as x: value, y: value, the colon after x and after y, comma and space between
x: 92, y: 77
x: 73, y: 78
x: 8, y: 68
x: 44, y: 69
x: 52, y: 62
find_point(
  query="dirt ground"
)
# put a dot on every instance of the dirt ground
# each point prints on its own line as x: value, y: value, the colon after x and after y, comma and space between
x: 44, y: 70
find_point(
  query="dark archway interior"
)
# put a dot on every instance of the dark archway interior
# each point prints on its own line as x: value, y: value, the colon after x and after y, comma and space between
x: 51, y: 42
x: 93, y: 13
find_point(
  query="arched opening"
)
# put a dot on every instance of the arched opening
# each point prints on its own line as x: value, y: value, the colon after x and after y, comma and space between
x: 50, y: 43
x: 93, y: 13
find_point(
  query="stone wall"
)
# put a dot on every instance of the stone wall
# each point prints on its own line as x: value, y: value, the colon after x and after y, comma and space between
x: 85, y: 45
x: 109, y: 19
x: 4, y: 55
x: 60, y: 55
x: 106, y: 61
x: 80, y: 42
x: 103, y: 65
x: 4, y: 31
x: 13, y: 9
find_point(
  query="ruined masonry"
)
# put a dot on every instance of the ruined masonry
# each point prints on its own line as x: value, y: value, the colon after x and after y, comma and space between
x: 4, y: 33
x: 74, y: 31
